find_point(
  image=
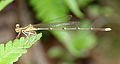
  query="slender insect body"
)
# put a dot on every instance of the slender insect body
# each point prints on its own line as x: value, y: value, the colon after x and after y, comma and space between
x: 31, y: 29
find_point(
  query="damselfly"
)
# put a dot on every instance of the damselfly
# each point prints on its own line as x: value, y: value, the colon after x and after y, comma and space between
x: 31, y: 29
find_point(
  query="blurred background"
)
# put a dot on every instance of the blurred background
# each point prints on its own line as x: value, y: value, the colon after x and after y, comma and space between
x: 66, y: 47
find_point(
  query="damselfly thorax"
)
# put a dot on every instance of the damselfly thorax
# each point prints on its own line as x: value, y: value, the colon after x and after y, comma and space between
x: 31, y: 29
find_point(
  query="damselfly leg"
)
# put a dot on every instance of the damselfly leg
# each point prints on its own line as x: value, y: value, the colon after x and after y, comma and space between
x: 25, y: 30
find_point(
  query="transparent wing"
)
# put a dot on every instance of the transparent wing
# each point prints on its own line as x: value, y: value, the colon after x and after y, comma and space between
x: 66, y: 24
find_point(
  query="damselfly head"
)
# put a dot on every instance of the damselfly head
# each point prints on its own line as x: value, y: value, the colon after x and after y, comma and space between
x: 17, y: 25
x: 17, y: 29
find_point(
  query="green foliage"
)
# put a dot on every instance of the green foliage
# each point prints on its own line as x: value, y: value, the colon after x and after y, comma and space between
x: 55, y: 52
x: 83, y: 3
x: 95, y: 11
x: 72, y: 4
x: 59, y: 53
x: 48, y: 10
x: 4, y: 3
x: 11, y: 51
x: 77, y: 42
x: 67, y: 62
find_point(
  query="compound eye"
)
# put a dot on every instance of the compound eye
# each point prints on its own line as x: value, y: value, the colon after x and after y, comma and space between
x: 17, y: 25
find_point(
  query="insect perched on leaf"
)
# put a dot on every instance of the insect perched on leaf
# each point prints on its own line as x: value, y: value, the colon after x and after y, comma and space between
x: 31, y: 29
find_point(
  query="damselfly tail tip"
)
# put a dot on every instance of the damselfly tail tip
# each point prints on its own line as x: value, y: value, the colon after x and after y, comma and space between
x: 108, y: 29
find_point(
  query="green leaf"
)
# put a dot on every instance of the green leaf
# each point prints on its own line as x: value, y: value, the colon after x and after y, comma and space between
x: 11, y: 51
x: 72, y: 4
x: 48, y: 10
x: 4, y: 3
